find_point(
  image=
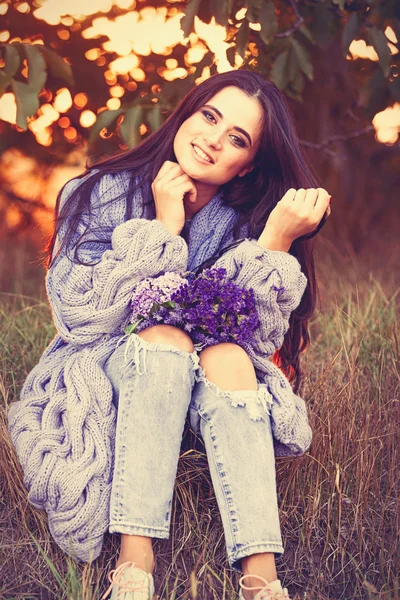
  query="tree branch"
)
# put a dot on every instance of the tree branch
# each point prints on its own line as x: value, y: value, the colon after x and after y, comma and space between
x: 335, y: 138
x: 295, y: 25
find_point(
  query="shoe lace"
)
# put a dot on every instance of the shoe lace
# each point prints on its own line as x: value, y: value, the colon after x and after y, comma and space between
x: 264, y: 593
x: 115, y: 576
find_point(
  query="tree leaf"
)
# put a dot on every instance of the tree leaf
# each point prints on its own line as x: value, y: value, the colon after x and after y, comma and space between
x: 394, y: 87
x: 324, y: 23
x: 206, y: 10
x: 104, y: 119
x: 221, y: 12
x: 303, y: 58
x: 280, y: 71
x: 350, y: 31
x: 293, y: 68
x: 187, y: 22
x: 379, y: 41
x: 27, y: 100
x: 297, y: 84
x: 374, y: 94
x: 253, y: 10
x: 129, y: 128
x: 242, y: 38
x: 58, y: 67
x: 154, y: 117
x: 340, y: 3
x: 12, y: 59
x: 5, y: 81
x: 307, y: 33
x: 268, y: 22
x: 37, y: 73
x: 230, y: 55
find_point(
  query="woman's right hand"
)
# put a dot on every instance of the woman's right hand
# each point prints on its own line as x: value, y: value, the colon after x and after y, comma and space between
x: 169, y: 188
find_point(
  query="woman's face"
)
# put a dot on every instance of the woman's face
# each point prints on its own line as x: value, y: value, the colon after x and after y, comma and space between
x: 220, y: 140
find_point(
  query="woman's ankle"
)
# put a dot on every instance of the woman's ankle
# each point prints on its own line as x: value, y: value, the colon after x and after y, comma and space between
x: 138, y: 549
x: 144, y: 563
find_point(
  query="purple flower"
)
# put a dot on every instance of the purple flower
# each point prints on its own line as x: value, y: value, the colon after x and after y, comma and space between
x: 208, y: 306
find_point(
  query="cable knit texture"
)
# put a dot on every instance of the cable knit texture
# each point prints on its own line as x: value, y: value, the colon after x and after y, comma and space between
x: 63, y: 426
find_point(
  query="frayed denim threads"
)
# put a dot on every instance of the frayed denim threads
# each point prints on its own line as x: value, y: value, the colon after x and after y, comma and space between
x: 155, y: 388
x: 257, y: 402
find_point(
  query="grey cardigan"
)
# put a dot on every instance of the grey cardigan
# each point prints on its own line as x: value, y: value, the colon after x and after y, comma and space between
x: 63, y: 425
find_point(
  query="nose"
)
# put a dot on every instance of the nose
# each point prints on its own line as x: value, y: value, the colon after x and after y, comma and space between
x: 213, y: 138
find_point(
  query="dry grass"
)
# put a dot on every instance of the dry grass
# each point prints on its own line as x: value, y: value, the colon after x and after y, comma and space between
x: 339, y: 504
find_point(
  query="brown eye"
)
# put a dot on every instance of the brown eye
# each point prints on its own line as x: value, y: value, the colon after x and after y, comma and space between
x: 238, y: 141
x: 208, y: 114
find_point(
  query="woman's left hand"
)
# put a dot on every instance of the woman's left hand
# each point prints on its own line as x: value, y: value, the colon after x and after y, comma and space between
x: 297, y: 213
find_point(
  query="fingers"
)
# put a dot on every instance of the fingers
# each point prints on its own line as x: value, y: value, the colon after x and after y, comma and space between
x: 315, y: 201
x: 168, y: 171
x: 191, y: 190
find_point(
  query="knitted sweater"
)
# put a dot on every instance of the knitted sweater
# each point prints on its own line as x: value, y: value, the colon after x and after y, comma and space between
x: 63, y: 425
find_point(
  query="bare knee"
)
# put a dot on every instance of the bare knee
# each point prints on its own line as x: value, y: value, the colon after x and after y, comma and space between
x: 229, y: 366
x: 226, y: 355
x: 168, y: 334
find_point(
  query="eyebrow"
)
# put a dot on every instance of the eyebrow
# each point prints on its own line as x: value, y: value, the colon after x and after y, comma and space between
x: 237, y: 128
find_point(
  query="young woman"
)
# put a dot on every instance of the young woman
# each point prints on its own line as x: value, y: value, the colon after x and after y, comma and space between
x: 98, y: 430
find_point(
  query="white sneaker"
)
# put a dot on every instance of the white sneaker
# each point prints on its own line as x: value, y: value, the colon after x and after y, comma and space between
x: 267, y: 591
x: 128, y: 582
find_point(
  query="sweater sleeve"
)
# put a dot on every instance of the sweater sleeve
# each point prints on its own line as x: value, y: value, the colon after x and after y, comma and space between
x: 278, y: 285
x: 88, y: 301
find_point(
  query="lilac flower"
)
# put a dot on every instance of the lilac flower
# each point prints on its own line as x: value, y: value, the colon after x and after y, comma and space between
x: 209, y: 307
x: 150, y: 297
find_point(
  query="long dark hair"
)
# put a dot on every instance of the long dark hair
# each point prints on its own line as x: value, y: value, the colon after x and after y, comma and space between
x: 278, y: 166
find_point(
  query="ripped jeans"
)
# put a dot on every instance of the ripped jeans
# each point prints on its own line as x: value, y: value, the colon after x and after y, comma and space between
x: 154, y: 387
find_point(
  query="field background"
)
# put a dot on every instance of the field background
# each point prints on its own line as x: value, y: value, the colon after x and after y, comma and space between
x: 339, y: 504
x: 115, y: 80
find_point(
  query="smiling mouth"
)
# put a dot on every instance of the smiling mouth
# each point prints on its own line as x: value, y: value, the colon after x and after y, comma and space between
x: 202, y: 154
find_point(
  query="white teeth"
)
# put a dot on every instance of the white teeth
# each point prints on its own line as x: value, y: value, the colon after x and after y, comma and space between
x: 201, y: 153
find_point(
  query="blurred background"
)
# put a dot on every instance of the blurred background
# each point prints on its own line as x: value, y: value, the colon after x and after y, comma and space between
x: 95, y: 76
x: 82, y: 79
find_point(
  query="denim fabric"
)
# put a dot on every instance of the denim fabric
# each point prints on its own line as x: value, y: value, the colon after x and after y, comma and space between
x: 155, y: 385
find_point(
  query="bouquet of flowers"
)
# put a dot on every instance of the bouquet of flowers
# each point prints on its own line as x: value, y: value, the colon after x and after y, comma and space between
x: 209, y: 307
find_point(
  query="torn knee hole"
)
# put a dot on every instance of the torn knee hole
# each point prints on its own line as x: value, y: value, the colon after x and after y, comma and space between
x: 256, y: 402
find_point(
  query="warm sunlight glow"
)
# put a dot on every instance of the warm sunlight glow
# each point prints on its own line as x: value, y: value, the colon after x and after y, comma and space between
x: 124, y: 64
x: 64, y: 122
x: 241, y: 13
x: 51, y: 11
x: 41, y: 126
x: 360, y: 49
x: 117, y: 91
x: 387, y: 124
x: 63, y: 100
x: 70, y: 134
x: 214, y: 35
x: 93, y: 53
x: 151, y: 30
x: 44, y: 137
x: 126, y: 38
x: 195, y: 54
x: 113, y: 103
x: 8, y: 108
x: 138, y: 74
x: 64, y: 34
x: 80, y: 100
x: 23, y: 7
x: 87, y: 118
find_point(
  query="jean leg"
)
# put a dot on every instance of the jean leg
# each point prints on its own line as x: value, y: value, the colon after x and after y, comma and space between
x: 154, y: 384
x: 237, y: 434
